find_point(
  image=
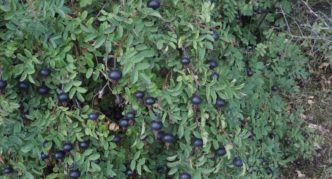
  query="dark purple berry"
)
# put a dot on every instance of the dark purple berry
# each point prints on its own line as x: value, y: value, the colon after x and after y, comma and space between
x: 3, y: 84
x: 156, y: 125
x: 93, y: 116
x: 130, y: 115
x: 215, y: 36
x: 59, y: 155
x: 237, y: 162
x: 220, y: 102
x: 196, y: 100
x: 67, y: 147
x: 185, y: 60
x: 8, y: 170
x: 45, y: 72
x: 197, y: 142
x: 129, y: 173
x: 214, y: 76
x: 150, y: 100
x: 139, y: 94
x: 221, y: 151
x: 168, y: 138
x: 185, y: 175
x: 42, y: 90
x: 212, y: 63
x: 115, y: 74
x: 63, y: 97
x: 84, y: 144
x: 124, y: 123
x: 116, y: 139
x: 43, y: 156
x: 274, y: 88
x: 74, y: 174
x: 23, y: 85
x: 249, y: 72
x: 153, y: 4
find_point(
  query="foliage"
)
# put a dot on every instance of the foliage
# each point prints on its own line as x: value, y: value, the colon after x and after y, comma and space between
x: 81, y: 41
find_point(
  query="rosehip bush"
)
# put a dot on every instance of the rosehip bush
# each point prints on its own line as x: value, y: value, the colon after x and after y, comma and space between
x: 148, y: 89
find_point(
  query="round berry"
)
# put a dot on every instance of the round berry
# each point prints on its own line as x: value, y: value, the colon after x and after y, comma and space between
x: 214, y: 76
x: 45, y: 72
x: 63, y: 97
x: 84, y: 144
x: 212, y: 63
x: 8, y: 170
x: 129, y: 173
x: 220, y: 102
x: 124, y: 123
x: 153, y: 4
x: 185, y: 175
x: 221, y: 151
x: 42, y: 90
x: 185, y: 60
x: 150, y: 100
x: 74, y: 173
x: 116, y: 139
x: 43, y: 156
x: 139, y: 94
x: 197, y: 142
x: 215, y: 35
x: 196, y: 100
x: 130, y: 115
x: 249, y: 72
x: 3, y: 84
x: 237, y: 162
x: 59, y: 155
x: 168, y: 138
x: 93, y: 116
x: 23, y: 85
x: 115, y: 74
x: 156, y: 125
x: 274, y: 88
x: 67, y: 147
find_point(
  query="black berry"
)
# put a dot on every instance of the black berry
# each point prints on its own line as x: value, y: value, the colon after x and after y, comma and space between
x: 45, y: 72
x: 8, y: 170
x: 63, y: 97
x: 129, y: 173
x: 153, y: 4
x: 3, y: 84
x: 116, y: 139
x: 93, y: 116
x: 212, y: 63
x: 43, y: 90
x: 274, y: 88
x: 168, y: 138
x: 150, y: 100
x: 237, y: 162
x: 74, y: 173
x: 67, y: 147
x: 23, y: 85
x: 220, y: 102
x: 221, y: 151
x: 115, y: 74
x: 130, y: 115
x: 214, y: 76
x: 84, y: 144
x: 59, y: 155
x: 185, y: 175
x: 124, y: 123
x: 196, y: 100
x: 249, y: 72
x: 156, y: 125
x: 185, y: 60
x: 43, y: 156
x: 197, y: 142
x: 139, y: 94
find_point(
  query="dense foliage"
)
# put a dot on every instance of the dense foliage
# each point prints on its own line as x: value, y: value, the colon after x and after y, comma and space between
x: 115, y: 88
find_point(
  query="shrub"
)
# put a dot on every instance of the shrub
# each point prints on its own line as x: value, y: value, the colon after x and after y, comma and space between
x: 114, y: 89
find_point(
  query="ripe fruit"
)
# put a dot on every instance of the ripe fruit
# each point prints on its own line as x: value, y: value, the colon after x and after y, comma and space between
x: 139, y: 94
x: 197, y: 142
x: 150, y: 100
x: 237, y: 162
x: 156, y: 125
x: 215, y: 35
x: 93, y: 116
x: 153, y: 4
x: 168, y: 138
x: 42, y: 90
x: 116, y: 139
x: 184, y: 175
x: 214, y: 76
x: 23, y: 85
x: 115, y: 74
x: 249, y: 72
x: 43, y: 156
x: 74, y: 173
x: 8, y: 170
x: 196, y: 100
x: 130, y: 115
x: 84, y: 144
x: 185, y: 60
x: 63, y: 97
x: 45, y: 72
x: 59, y: 155
x: 212, y: 63
x: 221, y: 151
x: 124, y: 123
x: 220, y: 102
x: 67, y: 147
x: 3, y: 84
x: 274, y: 88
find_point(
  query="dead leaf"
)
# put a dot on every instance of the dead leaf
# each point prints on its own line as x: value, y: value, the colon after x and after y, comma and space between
x: 300, y: 174
x: 113, y: 127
